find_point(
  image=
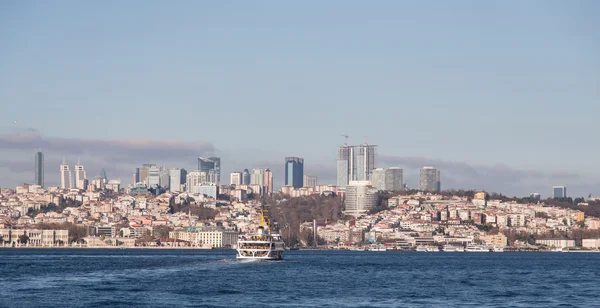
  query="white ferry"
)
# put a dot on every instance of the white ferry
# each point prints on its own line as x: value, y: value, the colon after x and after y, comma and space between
x: 477, y: 248
x: 423, y: 248
x: 452, y: 248
x: 262, y: 245
x: 497, y: 249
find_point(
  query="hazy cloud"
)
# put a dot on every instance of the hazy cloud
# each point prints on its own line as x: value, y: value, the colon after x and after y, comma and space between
x: 111, y: 150
x: 498, y: 177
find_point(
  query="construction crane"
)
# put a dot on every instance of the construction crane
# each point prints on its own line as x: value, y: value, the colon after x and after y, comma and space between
x: 345, y: 139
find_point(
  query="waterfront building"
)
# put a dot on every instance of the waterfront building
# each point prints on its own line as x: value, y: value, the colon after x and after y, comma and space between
x: 79, y: 176
x: 559, y: 191
x: 65, y: 176
x: 389, y: 179
x: 235, y: 178
x: 213, y: 237
x: 429, y: 179
x: 310, y: 181
x: 556, y: 242
x: 294, y: 172
x: 355, y: 163
x: 360, y: 198
x: 39, y: 168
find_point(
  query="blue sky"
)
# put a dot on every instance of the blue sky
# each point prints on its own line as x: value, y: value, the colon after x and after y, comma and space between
x: 509, y: 89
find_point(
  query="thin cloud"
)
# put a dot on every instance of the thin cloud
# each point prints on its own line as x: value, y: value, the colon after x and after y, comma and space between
x: 112, y: 150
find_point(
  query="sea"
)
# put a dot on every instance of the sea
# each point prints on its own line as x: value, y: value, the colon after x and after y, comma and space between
x: 213, y: 278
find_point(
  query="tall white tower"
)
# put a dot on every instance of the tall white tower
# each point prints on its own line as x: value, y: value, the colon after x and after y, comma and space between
x: 65, y: 175
x: 79, y: 176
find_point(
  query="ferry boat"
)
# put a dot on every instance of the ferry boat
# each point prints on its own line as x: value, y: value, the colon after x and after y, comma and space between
x: 477, y: 248
x: 497, y: 249
x: 262, y: 245
x: 423, y: 248
x: 452, y: 248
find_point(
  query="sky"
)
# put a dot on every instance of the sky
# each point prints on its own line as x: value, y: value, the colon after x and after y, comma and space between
x: 498, y: 95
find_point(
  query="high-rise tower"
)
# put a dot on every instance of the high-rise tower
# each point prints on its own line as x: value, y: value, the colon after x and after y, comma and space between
x: 65, y: 175
x: 39, y: 168
x: 80, y: 176
x: 355, y: 163
x: 294, y: 172
x: 429, y: 179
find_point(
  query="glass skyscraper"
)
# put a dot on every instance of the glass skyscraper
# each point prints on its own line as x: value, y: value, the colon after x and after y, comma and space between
x: 39, y: 169
x: 294, y: 172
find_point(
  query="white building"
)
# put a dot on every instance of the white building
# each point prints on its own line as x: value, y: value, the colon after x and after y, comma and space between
x: 177, y: 177
x: 556, y: 242
x: 208, y: 237
x: 65, y: 176
x: 310, y: 181
x: 153, y: 176
x: 360, y: 198
x: 590, y: 243
x: 80, y: 176
x: 209, y: 189
x: 235, y: 178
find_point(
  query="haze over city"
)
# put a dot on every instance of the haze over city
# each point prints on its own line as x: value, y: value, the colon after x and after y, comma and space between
x: 497, y: 96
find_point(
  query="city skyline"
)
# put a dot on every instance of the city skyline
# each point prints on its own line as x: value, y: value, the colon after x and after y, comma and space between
x: 439, y: 76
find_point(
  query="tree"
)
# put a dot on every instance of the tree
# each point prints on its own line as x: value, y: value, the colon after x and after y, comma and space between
x: 23, y: 239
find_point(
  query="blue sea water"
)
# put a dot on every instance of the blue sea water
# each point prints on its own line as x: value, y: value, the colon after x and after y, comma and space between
x: 200, y: 278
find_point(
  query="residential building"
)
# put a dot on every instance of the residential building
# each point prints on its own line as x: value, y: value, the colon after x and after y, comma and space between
x: 268, y: 182
x: 429, y: 179
x: 235, y: 178
x: 360, y: 198
x: 79, y: 176
x: 177, y: 177
x: 257, y: 176
x: 39, y: 169
x: 559, y: 191
x: 355, y: 163
x: 556, y: 242
x: 153, y: 176
x: 389, y: 179
x: 294, y: 172
x: 310, y: 181
x: 209, y: 189
x: 65, y: 176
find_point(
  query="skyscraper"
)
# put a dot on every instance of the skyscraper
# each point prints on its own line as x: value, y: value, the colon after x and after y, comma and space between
x: 217, y: 167
x: 153, y: 176
x: 39, y: 168
x: 143, y: 173
x: 389, y: 179
x: 429, y: 179
x: 294, y: 172
x: 177, y: 177
x: 268, y: 182
x: 559, y: 191
x: 355, y: 163
x: 246, y: 177
x: 80, y: 176
x: 65, y: 176
x: 235, y: 178
x: 256, y: 178
x: 310, y: 181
